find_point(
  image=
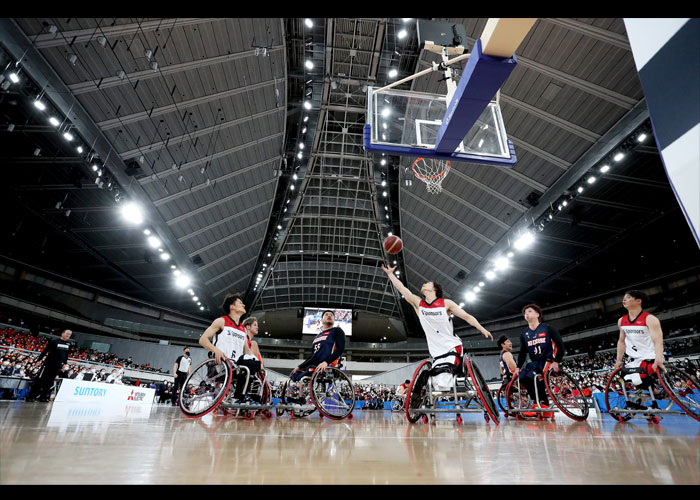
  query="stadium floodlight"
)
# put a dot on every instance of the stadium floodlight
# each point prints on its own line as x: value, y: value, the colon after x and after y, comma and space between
x: 153, y: 241
x: 524, y: 240
x: 502, y: 263
x: 132, y: 213
x: 165, y: 256
x: 182, y: 281
x: 470, y: 296
x: 490, y: 275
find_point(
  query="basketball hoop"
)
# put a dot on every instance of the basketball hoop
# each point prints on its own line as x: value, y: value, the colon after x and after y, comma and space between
x: 432, y: 172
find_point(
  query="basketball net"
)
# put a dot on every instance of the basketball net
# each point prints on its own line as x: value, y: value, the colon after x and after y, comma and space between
x: 432, y: 172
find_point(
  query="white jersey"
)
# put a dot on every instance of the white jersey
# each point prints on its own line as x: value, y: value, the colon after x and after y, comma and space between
x: 437, y: 326
x: 638, y: 343
x: 231, y: 340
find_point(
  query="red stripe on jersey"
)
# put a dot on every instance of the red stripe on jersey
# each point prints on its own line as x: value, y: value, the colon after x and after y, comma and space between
x: 230, y: 323
x: 436, y: 303
x: 640, y: 320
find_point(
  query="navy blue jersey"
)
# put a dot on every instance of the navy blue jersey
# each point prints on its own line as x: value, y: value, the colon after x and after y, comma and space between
x: 327, y: 346
x: 541, y: 344
x: 505, y: 371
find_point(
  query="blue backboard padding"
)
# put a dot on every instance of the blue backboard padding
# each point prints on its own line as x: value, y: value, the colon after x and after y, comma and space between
x: 481, y: 79
x: 429, y: 153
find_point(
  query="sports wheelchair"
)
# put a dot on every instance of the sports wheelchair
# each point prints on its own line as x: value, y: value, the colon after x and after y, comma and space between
x: 397, y: 403
x: 562, y: 389
x: 330, y: 392
x: 210, y: 386
x: 468, y: 394
x: 677, y: 382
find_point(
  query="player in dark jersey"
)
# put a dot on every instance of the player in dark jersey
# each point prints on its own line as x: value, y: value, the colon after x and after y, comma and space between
x: 328, y: 346
x: 506, y: 360
x: 543, y: 344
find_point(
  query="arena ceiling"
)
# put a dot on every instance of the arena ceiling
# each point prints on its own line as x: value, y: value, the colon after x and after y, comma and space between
x: 200, y: 121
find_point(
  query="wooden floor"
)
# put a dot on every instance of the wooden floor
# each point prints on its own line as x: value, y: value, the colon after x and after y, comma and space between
x: 67, y: 443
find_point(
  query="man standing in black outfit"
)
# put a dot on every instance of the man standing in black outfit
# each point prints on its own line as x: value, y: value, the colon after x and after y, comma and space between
x: 56, y: 354
x: 181, y: 370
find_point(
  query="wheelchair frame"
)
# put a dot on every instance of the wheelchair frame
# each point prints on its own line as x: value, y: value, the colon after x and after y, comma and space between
x: 558, y: 406
x: 472, y: 387
x: 211, y: 389
x: 619, y: 391
x: 318, y: 392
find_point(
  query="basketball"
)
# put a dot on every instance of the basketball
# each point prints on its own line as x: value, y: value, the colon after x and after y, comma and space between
x: 393, y: 245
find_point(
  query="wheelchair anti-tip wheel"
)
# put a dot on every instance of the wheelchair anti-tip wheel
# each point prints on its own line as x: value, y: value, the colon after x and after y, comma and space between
x: 332, y: 393
x: 205, y: 387
x: 683, y: 388
x: 561, y: 388
x: 418, y: 392
x: 482, y: 389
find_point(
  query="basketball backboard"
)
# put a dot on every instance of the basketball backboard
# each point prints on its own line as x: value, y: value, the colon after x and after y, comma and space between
x: 406, y: 123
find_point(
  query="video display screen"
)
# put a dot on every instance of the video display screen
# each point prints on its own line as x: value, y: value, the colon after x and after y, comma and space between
x: 312, y: 320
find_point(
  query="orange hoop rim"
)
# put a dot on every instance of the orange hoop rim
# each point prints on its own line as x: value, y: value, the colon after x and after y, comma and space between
x: 420, y: 176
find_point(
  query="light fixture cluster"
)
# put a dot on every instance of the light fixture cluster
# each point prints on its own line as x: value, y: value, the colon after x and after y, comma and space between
x: 131, y: 212
x: 527, y: 237
x: 599, y: 170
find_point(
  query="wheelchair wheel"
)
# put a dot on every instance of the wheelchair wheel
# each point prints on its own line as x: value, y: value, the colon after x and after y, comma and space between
x: 296, y: 393
x: 683, y: 388
x: 615, y: 396
x: 574, y: 407
x: 418, y: 392
x: 502, y: 394
x: 205, y: 387
x: 332, y: 393
x: 482, y: 389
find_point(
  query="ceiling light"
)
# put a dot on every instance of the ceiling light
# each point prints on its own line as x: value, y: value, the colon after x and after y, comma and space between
x: 177, y: 272
x: 564, y: 203
x: 307, y: 104
x: 510, y: 254
x: 199, y: 303
x: 476, y: 288
x: 195, y: 298
x: 153, y: 241
x: 306, y: 119
x: 580, y: 190
x: 80, y: 149
x: 550, y: 216
x: 165, y: 256
x: 406, y: 19
x: 393, y: 73
x: 309, y: 23
x: 301, y: 145
x: 94, y: 168
x: 269, y: 255
x: 300, y: 155
x: 501, y: 263
x: 386, y: 112
x: 173, y: 266
x: 132, y: 213
x: 201, y: 308
x: 470, y: 296
x: 383, y: 162
x: 182, y: 281
x: 14, y: 77
x: 279, y: 227
x: 53, y: 121
x: 490, y: 275
x: 68, y: 136
x: 392, y: 234
x: 619, y: 156
x: 291, y: 187
x: 190, y: 291
x: 384, y: 193
x: 309, y: 64
x: 394, y: 261
x: 642, y: 137
x: 591, y: 180
x: 481, y: 283
x: 524, y: 241
x: 461, y: 304
x: 40, y: 105
x: 383, y: 183
x: 402, y: 34
x: 604, y: 168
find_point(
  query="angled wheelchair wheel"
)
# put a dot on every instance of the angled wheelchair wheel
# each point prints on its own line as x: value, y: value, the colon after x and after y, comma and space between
x: 332, y: 393
x: 682, y: 386
x: 561, y: 387
x: 616, y: 396
x: 205, y: 387
x: 297, y: 393
x: 482, y: 389
x: 418, y: 392
x: 501, y: 394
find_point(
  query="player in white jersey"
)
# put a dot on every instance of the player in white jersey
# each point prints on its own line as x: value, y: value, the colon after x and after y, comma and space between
x: 641, y: 338
x: 434, y: 311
